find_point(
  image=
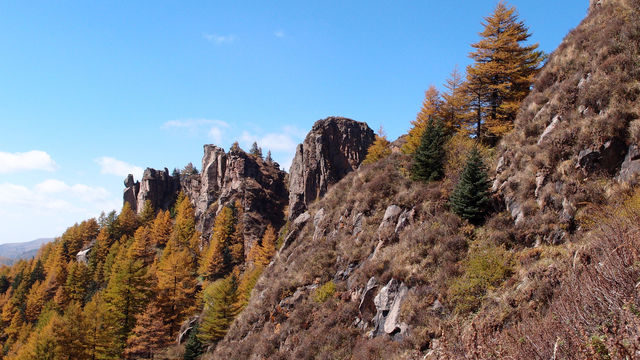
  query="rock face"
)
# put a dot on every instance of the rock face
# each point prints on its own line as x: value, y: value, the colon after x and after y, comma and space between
x: 631, y: 165
x: 131, y: 190
x: 226, y: 178
x: 159, y: 187
x: 383, y: 309
x: 156, y: 186
x: 334, y: 147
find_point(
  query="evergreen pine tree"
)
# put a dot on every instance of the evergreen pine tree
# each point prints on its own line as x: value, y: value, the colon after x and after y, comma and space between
x: 255, y: 150
x: 428, y: 160
x: 470, y: 199
x: 193, y: 347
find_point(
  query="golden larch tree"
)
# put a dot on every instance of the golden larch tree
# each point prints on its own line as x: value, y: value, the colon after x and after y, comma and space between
x: 502, y: 72
x: 150, y: 334
x: 430, y: 107
x: 380, y: 149
x: 455, y: 103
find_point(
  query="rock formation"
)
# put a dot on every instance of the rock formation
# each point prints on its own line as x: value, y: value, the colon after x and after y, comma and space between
x: 334, y: 147
x: 226, y: 178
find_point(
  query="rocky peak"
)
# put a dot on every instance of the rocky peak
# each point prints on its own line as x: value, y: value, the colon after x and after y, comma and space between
x: 226, y: 178
x: 156, y: 185
x: 236, y: 176
x: 334, y: 147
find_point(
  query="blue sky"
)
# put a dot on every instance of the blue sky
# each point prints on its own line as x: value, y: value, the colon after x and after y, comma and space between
x: 93, y: 90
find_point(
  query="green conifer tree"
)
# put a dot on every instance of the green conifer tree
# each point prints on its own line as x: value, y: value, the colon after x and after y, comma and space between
x: 470, y: 199
x: 221, y: 307
x: 428, y: 160
x: 193, y: 347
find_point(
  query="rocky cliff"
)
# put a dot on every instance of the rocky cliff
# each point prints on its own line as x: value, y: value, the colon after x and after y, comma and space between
x: 156, y: 186
x: 334, y: 147
x: 225, y: 178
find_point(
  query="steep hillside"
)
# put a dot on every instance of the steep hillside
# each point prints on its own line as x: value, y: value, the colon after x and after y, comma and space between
x: 380, y: 268
x: 578, y: 128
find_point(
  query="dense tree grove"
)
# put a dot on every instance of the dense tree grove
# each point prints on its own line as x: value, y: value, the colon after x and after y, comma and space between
x: 140, y: 282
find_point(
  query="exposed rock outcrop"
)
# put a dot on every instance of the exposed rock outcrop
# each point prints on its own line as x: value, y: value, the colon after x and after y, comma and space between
x: 381, y: 308
x: 158, y: 187
x: 131, y: 190
x: 226, y: 178
x: 631, y: 165
x: 571, y: 132
x: 334, y: 147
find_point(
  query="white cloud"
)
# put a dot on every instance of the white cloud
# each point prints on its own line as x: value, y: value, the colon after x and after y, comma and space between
x: 111, y: 166
x: 215, y: 133
x: 51, y: 186
x: 30, y: 160
x: 215, y: 129
x: 54, y: 204
x: 279, y: 33
x: 53, y: 195
x: 219, y: 39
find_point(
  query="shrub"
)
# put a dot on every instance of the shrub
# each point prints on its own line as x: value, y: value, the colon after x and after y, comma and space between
x: 485, y: 268
x: 324, y: 292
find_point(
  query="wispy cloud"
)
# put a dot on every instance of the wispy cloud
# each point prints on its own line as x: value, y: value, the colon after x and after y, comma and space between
x: 215, y: 129
x: 30, y: 160
x: 279, y: 33
x: 111, y: 166
x: 219, y: 39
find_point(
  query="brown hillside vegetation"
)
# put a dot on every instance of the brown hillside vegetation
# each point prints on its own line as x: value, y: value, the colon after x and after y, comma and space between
x: 575, y: 129
x: 480, y: 292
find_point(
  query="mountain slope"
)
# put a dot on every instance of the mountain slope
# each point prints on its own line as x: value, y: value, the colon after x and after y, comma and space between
x: 15, y: 251
x: 380, y: 268
x: 578, y: 128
